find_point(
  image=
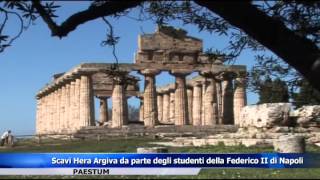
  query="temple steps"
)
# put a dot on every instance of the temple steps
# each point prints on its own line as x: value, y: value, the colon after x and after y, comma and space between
x: 162, y: 131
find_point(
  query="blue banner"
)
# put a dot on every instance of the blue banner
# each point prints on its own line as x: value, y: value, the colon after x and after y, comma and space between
x: 162, y: 160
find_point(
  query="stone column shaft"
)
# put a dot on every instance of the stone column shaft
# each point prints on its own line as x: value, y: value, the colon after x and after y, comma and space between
x: 219, y: 100
x: 141, y: 110
x: 86, y: 101
x: 62, y: 109
x: 67, y: 109
x: 197, y: 105
x: 55, y: 111
x: 160, y: 107
x: 118, y: 105
x: 227, y: 94
x: 181, y: 104
x: 76, y: 105
x: 38, y: 118
x: 150, y: 98
x: 240, y: 98
x: 210, y: 102
x: 190, y: 103
x: 166, y: 107
x: 172, y: 107
x: 103, y: 110
x: 71, y: 108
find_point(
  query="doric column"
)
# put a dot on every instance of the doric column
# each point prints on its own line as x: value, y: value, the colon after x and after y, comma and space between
x: 44, y: 113
x: 160, y: 106
x: 118, y: 103
x: 227, y: 97
x: 210, y: 101
x: 181, y: 103
x: 190, y: 99
x: 58, y: 114
x: 141, y: 109
x: 62, y: 109
x: 219, y: 100
x: 240, y: 98
x: 76, y: 105
x: 166, y: 107
x: 67, y: 108
x: 197, y: 104
x: 71, y: 108
x: 38, y: 117
x: 150, y: 98
x: 126, y: 109
x: 172, y: 106
x: 203, y: 100
x: 50, y: 108
x: 55, y: 110
x: 86, y: 101
x: 103, y: 110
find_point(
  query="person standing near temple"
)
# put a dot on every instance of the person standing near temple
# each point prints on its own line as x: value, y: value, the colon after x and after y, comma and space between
x: 5, y: 137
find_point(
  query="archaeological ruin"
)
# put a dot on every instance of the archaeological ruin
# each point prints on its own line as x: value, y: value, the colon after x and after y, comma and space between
x: 214, y: 98
x: 207, y: 109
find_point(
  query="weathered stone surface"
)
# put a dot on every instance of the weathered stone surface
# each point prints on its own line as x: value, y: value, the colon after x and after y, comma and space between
x: 181, y: 103
x: 290, y: 144
x: 118, y: 106
x: 239, y: 99
x: 265, y: 115
x: 152, y: 150
x: 308, y: 115
x: 196, y: 105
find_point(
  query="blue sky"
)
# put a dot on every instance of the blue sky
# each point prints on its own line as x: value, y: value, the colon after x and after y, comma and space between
x: 32, y: 60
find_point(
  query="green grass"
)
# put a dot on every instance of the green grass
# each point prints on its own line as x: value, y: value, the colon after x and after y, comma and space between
x: 130, y: 145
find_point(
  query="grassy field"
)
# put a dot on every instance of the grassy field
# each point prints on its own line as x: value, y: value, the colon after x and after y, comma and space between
x: 130, y: 145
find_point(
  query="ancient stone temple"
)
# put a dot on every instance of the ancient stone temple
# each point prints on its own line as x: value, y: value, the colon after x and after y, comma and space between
x: 215, y: 97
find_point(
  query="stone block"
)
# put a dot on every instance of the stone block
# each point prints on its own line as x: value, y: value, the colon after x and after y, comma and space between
x: 308, y: 115
x: 265, y: 115
x: 290, y: 144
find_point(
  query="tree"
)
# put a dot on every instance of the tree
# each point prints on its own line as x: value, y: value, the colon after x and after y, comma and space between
x: 273, y: 91
x: 265, y: 91
x: 307, y: 95
x: 290, y: 29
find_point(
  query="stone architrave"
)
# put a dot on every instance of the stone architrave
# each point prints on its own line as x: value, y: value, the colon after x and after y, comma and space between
x: 86, y: 101
x: 150, y: 98
x: 118, y: 103
x: 197, y: 104
x: 240, y: 98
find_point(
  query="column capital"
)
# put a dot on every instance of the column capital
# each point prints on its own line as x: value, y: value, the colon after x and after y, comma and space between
x: 180, y: 72
x: 241, y: 75
x: 149, y: 72
x: 196, y: 83
x: 225, y: 75
x: 208, y: 74
x: 102, y: 97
